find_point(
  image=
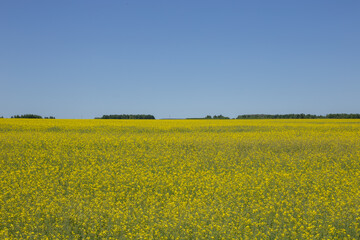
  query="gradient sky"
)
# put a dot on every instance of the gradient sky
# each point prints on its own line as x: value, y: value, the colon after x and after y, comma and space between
x: 179, y: 58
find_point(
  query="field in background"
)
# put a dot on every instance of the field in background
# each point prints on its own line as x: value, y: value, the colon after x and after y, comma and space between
x: 179, y: 179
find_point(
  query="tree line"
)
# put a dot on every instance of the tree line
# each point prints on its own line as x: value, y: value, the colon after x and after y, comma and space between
x: 216, y: 117
x: 31, y: 116
x: 127, y: 116
x: 343, y: 115
x: 245, y: 116
x: 288, y: 116
x: 300, y: 116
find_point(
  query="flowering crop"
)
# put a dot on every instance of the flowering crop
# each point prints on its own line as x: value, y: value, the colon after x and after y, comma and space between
x: 179, y: 179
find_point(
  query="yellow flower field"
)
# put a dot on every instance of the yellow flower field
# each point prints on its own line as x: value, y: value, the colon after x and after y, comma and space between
x: 179, y: 179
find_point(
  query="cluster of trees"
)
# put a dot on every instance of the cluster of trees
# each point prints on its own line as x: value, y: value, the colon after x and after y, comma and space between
x: 279, y: 116
x: 31, y: 116
x: 216, y: 117
x: 210, y: 117
x: 343, y: 115
x: 298, y: 116
x: 127, y: 116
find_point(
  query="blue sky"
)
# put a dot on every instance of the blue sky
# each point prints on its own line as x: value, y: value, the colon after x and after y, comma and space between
x: 85, y: 58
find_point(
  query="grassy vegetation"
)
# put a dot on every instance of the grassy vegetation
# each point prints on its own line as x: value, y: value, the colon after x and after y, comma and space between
x: 179, y: 179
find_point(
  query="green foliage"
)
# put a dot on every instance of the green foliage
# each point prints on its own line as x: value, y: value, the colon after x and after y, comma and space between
x: 298, y: 116
x: 278, y: 116
x: 31, y: 116
x: 220, y: 117
x: 127, y: 116
x: 27, y: 116
x: 343, y: 115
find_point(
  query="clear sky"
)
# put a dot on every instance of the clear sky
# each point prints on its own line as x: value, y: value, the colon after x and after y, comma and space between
x: 179, y: 58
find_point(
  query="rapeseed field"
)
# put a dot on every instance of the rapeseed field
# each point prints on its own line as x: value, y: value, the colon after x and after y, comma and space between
x: 179, y: 179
